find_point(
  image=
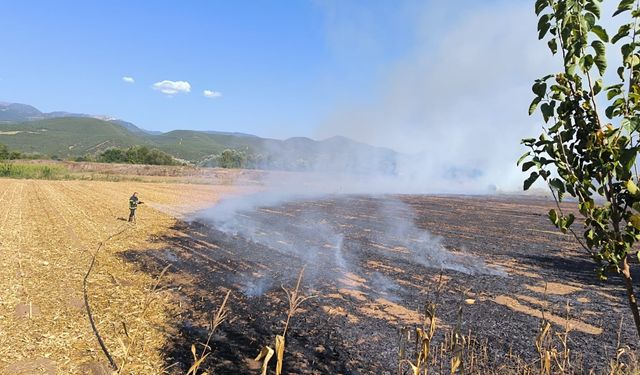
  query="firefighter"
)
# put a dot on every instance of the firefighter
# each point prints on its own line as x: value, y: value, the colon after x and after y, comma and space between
x: 133, y: 205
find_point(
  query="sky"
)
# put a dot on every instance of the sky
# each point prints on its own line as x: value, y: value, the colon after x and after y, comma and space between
x: 449, y: 79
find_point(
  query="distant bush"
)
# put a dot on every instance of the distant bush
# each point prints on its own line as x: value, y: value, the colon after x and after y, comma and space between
x: 113, y: 155
x: 137, y: 155
x: 84, y: 158
x: 5, y: 154
x: 234, y: 159
x: 34, y: 171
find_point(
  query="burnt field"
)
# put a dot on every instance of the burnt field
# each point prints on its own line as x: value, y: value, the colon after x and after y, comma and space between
x: 372, y: 264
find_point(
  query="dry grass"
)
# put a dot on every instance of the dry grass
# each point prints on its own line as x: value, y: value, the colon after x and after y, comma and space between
x: 48, y: 232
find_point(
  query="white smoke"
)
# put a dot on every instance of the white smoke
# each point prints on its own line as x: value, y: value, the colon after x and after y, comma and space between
x: 296, y: 225
x: 455, y: 98
x: 455, y: 92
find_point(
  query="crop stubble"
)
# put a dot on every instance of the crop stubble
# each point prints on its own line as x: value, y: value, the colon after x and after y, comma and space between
x: 48, y: 233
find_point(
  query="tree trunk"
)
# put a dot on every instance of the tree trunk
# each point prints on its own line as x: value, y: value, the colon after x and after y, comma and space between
x: 633, y: 303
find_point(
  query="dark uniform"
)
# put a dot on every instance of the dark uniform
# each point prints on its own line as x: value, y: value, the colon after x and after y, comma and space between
x: 133, y: 205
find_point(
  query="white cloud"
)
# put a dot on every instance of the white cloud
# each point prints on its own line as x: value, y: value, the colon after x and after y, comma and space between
x: 172, y: 87
x: 211, y: 94
x: 128, y: 79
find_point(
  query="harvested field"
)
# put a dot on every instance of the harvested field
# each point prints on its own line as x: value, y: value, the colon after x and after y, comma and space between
x: 49, y: 231
x: 369, y: 260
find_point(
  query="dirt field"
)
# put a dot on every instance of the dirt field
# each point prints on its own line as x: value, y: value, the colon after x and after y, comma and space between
x: 360, y: 263
x: 49, y: 231
x: 369, y: 282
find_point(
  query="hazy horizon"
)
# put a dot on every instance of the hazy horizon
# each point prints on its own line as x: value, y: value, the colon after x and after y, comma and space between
x: 447, y: 81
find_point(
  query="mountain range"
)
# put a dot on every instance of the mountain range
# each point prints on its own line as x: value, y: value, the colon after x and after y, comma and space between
x: 26, y: 129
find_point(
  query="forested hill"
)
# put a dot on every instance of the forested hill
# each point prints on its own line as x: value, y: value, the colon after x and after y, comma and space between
x: 66, y: 135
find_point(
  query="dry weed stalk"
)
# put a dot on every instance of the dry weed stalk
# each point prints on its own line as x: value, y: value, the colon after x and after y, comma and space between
x: 295, y: 299
x: 424, y: 336
x: 216, y: 321
x: 552, y: 360
x: 619, y: 367
x: 458, y: 341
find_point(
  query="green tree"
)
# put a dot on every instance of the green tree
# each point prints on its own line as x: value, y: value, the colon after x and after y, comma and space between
x: 232, y: 159
x: 113, y: 155
x: 580, y: 153
x: 137, y: 155
x: 4, y: 152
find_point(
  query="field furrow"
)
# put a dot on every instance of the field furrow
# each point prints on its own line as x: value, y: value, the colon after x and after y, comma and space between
x: 49, y: 231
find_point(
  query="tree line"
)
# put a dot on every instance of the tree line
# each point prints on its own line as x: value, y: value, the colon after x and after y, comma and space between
x: 137, y: 155
x: 6, y: 154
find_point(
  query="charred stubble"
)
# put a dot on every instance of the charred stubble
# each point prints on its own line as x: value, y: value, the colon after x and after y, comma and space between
x: 371, y: 281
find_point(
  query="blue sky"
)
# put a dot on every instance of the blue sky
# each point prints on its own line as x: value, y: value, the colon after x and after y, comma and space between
x: 280, y: 66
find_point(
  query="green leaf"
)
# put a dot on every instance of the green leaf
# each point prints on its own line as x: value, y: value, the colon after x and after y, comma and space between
x: 529, y: 181
x: 543, y: 25
x: 632, y: 188
x: 597, y: 86
x: 540, y: 5
x: 630, y: 124
x: 570, y: 219
x: 620, y: 72
x: 626, y: 124
x: 624, y: 6
x: 590, y: 19
x: 600, y: 33
x: 613, y: 91
x: 600, y: 60
x: 628, y: 158
x: 557, y: 184
x: 635, y: 221
x: 626, y: 50
x: 553, y: 45
x: 526, y: 166
x: 586, y: 62
x: 553, y: 216
x: 547, y: 111
x: 593, y: 7
x: 539, y: 88
x: 622, y: 32
x: 534, y: 105
x: 609, y: 112
x: 528, y: 141
x: 524, y: 156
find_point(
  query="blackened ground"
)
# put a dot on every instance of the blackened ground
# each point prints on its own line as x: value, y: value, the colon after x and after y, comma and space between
x: 366, y: 263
